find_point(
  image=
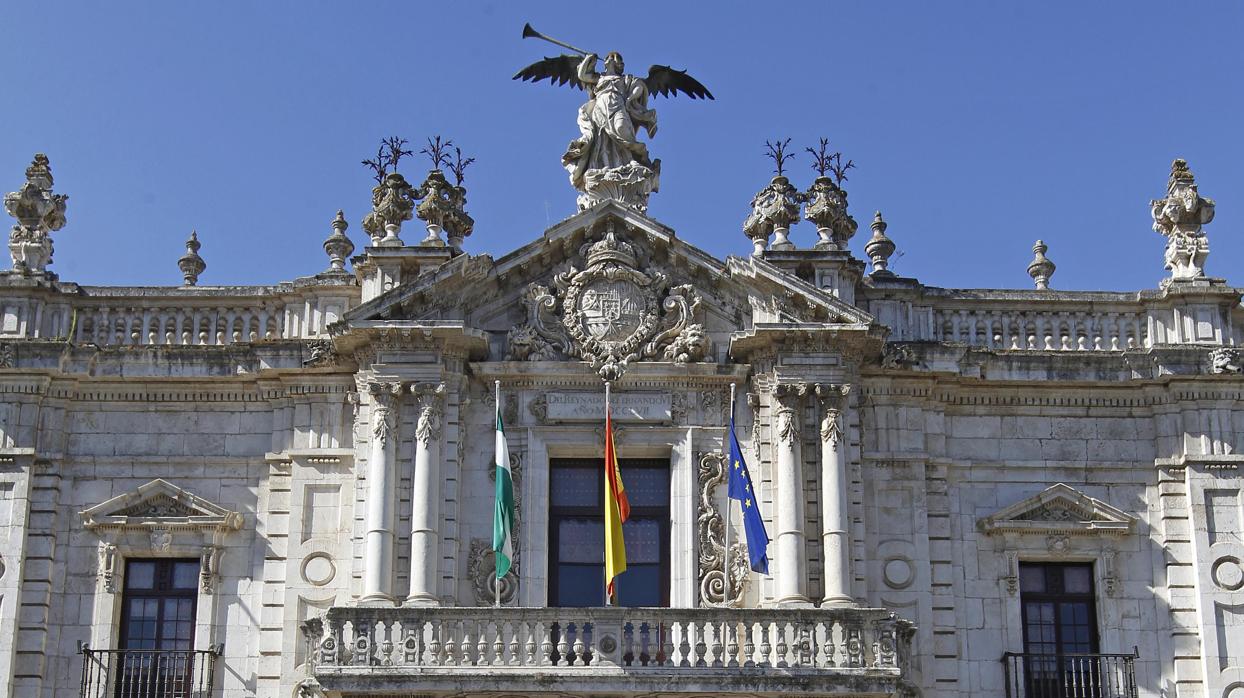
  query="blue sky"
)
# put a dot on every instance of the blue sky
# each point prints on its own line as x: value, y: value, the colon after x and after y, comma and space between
x: 976, y: 127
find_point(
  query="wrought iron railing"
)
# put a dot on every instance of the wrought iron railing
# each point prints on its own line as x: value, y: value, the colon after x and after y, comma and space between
x: 147, y: 673
x: 1070, y: 675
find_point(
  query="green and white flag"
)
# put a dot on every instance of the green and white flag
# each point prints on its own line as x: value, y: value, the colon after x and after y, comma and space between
x: 503, y: 512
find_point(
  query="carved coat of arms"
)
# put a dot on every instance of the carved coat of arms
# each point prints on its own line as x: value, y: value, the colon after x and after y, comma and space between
x: 610, y: 314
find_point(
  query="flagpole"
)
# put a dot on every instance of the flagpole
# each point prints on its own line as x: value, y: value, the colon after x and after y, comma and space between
x: 608, y: 600
x: 496, y: 581
x: 725, y: 596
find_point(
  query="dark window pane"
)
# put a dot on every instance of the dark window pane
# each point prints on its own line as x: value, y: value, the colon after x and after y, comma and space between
x: 640, y: 585
x: 646, y: 487
x: 1077, y: 580
x: 643, y: 541
x: 575, y: 487
x: 140, y: 575
x: 581, y: 541
x: 1031, y: 578
x: 185, y: 575
x: 581, y: 585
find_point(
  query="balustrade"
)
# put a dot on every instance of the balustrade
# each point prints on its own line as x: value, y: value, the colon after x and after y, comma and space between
x: 1043, y: 329
x: 388, y: 642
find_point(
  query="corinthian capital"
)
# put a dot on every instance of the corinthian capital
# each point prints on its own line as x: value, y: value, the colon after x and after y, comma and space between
x: 833, y: 400
x: 789, y: 401
x: 431, y: 396
x: 385, y: 396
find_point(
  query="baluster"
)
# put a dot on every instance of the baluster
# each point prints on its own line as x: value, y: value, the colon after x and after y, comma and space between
x: 386, y: 646
x: 666, y: 640
x: 535, y: 628
x: 715, y: 643
x: 580, y: 647
x: 498, y: 642
x: 481, y: 650
x: 825, y: 644
x: 780, y: 640
x: 453, y: 631
x: 684, y: 645
x: 701, y: 647
x: 330, y: 644
x: 731, y: 629
x: 806, y: 651
x: 641, y: 644
x: 766, y: 649
x: 434, y: 643
x: 563, y: 644
x: 469, y: 657
x: 546, y: 643
x: 749, y: 644
x: 531, y: 628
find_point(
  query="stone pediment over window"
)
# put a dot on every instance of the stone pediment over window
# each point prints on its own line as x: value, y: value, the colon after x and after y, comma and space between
x: 160, y: 504
x: 1059, y: 509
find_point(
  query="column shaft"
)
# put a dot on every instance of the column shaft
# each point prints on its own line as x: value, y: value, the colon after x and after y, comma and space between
x: 425, y: 500
x: 378, y: 544
x: 792, y: 578
x: 835, y: 512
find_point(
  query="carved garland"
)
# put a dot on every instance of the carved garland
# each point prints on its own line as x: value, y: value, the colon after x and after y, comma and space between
x: 713, y: 588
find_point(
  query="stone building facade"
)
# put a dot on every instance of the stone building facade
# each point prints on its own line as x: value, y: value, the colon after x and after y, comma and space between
x: 286, y: 490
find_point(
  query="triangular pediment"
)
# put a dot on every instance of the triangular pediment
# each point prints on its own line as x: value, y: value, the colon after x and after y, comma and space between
x: 160, y: 503
x: 1059, y: 509
x: 473, y: 284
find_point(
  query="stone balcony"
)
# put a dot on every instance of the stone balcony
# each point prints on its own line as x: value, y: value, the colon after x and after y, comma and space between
x: 614, y: 651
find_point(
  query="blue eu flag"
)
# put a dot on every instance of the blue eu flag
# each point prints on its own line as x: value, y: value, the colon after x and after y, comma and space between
x: 740, y: 488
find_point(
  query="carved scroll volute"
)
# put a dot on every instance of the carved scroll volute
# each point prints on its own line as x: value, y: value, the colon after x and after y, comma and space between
x: 431, y: 398
x: 385, y: 396
x: 790, y: 400
x: 714, y: 589
x: 833, y: 400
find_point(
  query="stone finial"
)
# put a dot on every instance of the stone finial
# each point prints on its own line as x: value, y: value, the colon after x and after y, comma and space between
x: 827, y: 209
x: 880, y: 247
x: 39, y: 213
x: 1041, y: 268
x: 774, y: 210
x: 437, y: 207
x: 393, y: 201
x: 338, y: 247
x: 827, y: 199
x: 191, y: 264
x: 1179, y: 218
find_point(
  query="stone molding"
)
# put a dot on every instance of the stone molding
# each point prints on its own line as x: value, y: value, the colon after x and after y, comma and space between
x: 170, y: 517
x: 1059, y: 510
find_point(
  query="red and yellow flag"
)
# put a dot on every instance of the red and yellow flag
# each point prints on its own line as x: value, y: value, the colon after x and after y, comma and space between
x: 617, y: 510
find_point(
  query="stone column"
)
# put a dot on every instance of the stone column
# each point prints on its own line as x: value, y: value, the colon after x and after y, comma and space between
x: 792, y: 563
x: 381, y: 483
x: 426, y: 497
x: 835, y: 511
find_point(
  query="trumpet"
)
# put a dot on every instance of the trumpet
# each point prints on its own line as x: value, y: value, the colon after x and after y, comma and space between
x: 531, y: 33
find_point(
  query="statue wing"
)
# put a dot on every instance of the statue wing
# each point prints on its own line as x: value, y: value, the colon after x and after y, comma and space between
x: 667, y: 82
x: 560, y: 70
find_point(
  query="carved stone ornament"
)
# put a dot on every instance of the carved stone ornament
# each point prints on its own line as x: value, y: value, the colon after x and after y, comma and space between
x: 191, y: 264
x: 833, y: 398
x: 322, y: 353
x: 539, y: 408
x: 826, y: 208
x: 880, y: 247
x: 714, y: 590
x: 166, y: 515
x: 897, y: 357
x: 612, y: 313
x: 481, y: 569
x: 384, y: 400
x: 431, y: 398
x: 1225, y: 360
x: 1041, y: 268
x: 789, y: 401
x: 1179, y: 218
x: 39, y: 213
x: 7, y: 355
x: 393, y: 202
x: 1059, y: 510
x: 338, y: 246
x: 774, y: 210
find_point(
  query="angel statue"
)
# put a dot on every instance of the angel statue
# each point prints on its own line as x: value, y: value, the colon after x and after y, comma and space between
x: 608, y: 161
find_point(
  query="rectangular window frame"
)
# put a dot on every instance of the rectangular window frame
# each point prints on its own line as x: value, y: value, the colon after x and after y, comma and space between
x: 556, y: 514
